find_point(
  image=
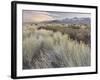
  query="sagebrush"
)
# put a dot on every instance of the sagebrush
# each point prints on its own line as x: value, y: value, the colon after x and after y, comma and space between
x: 48, y: 49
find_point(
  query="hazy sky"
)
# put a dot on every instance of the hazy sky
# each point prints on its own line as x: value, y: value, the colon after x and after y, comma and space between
x: 39, y: 16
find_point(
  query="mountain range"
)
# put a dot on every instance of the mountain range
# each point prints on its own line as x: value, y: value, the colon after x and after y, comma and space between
x: 74, y: 20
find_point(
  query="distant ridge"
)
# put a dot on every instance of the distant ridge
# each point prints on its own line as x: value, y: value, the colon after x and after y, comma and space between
x: 74, y: 20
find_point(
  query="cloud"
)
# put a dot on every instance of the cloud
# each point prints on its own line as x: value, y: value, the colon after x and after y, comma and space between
x: 36, y: 16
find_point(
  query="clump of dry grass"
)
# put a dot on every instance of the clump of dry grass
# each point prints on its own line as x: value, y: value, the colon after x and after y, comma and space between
x: 47, y: 49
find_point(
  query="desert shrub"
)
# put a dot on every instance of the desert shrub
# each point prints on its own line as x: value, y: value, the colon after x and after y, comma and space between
x: 73, y: 26
x: 74, y: 32
x: 48, y: 49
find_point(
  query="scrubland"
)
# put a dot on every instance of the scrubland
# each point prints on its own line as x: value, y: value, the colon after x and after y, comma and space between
x: 55, y: 47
